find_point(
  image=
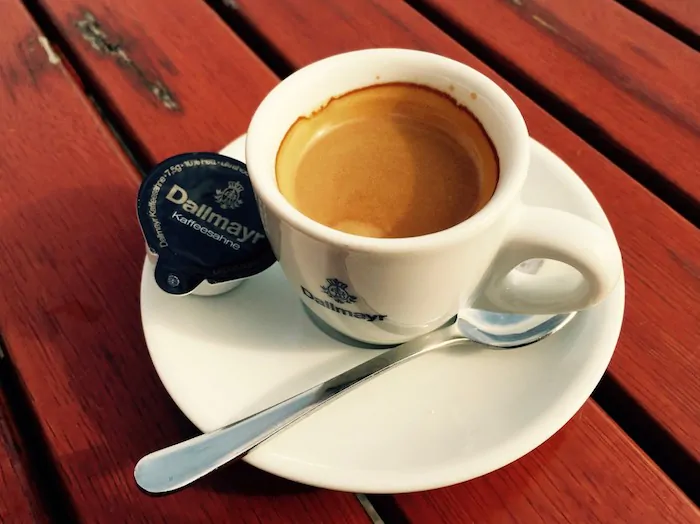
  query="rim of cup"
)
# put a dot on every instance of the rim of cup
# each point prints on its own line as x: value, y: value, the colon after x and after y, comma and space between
x: 505, y: 127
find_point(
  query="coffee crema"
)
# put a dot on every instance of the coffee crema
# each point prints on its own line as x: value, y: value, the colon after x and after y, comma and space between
x: 388, y: 161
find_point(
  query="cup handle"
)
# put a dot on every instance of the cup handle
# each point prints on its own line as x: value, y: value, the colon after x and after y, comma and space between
x: 543, y: 233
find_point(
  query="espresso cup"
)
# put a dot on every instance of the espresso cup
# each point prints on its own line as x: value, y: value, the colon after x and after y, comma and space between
x: 390, y: 290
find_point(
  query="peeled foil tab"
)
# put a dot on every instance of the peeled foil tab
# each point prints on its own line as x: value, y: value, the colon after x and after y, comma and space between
x: 199, y: 216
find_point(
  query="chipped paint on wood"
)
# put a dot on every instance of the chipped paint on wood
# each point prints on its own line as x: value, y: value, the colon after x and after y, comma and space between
x: 545, y: 24
x: 92, y: 32
x: 50, y: 53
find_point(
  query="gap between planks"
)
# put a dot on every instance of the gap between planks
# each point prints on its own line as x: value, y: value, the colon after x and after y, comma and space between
x: 609, y: 395
x: 592, y: 133
x: 228, y: 11
x: 612, y: 398
x: 41, y: 468
x: 54, y: 42
x: 653, y: 439
x: 664, y: 22
x: 56, y: 46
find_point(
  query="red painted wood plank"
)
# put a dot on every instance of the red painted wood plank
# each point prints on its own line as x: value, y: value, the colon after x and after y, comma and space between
x: 172, y: 96
x: 304, y: 31
x: 656, y: 358
x: 71, y: 255
x: 630, y: 78
x: 587, y: 473
x: 20, y: 502
x: 686, y: 13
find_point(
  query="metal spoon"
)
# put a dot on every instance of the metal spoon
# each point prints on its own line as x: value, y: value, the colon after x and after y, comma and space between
x: 177, y: 466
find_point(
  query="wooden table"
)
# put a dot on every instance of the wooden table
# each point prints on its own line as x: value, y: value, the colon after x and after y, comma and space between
x: 90, y: 97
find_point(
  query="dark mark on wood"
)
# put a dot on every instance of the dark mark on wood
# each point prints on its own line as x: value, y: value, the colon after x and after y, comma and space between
x: 92, y: 32
x: 646, y: 55
x: 167, y: 65
x: 689, y: 265
x: 13, y: 76
x: 675, y: 26
x: 8, y: 81
x: 29, y: 57
x: 69, y: 61
x: 25, y: 49
x: 581, y: 124
x: 605, y: 62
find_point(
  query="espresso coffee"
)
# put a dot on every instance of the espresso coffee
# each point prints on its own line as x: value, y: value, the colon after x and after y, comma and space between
x: 388, y: 161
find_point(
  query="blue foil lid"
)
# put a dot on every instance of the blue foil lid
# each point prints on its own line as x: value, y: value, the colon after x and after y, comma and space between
x: 198, y: 213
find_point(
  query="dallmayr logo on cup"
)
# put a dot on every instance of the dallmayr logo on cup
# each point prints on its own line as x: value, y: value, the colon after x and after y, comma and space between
x: 199, y: 216
x: 338, y: 291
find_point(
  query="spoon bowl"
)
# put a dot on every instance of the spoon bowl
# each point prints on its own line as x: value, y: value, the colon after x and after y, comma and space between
x: 508, y: 330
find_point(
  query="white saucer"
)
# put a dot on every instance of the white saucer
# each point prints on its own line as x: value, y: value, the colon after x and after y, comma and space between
x: 441, y: 419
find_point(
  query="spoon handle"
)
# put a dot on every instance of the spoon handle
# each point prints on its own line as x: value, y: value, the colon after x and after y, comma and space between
x: 177, y: 466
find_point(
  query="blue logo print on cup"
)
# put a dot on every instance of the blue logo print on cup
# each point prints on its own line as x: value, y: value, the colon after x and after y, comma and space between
x: 338, y: 291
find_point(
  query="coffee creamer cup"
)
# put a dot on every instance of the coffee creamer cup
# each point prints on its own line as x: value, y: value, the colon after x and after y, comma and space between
x: 201, y: 224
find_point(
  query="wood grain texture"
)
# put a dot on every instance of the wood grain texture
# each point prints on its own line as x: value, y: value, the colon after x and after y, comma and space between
x: 637, y: 83
x: 589, y: 472
x: 656, y: 359
x: 20, y: 502
x: 173, y: 71
x: 71, y: 254
x: 685, y: 13
x: 304, y: 31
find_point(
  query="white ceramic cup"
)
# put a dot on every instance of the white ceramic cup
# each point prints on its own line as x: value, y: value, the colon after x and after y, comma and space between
x: 386, y: 291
